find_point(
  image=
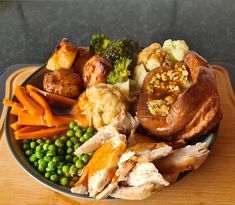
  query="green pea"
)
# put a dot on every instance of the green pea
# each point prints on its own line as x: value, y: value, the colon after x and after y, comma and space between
x: 26, y: 141
x: 39, y: 154
x: 76, y: 128
x: 64, y: 138
x: 65, y: 168
x: 51, y: 153
x: 49, y: 141
x: 64, y: 181
x: 84, y: 130
x: 67, y: 174
x: 56, y: 159
x: 52, y: 147
x: 75, y: 159
x: 59, y: 143
x: 77, y: 145
x: 39, y: 148
x: 29, y: 152
x: 47, y: 175
x: 51, y: 165
x: 87, y: 135
x: 79, y: 164
x: 60, y: 151
x: 85, y: 158
x: 90, y: 153
x: 78, y: 132
x: 59, y: 165
x: 70, y: 133
x: 69, y: 150
x: 59, y: 172
x: 74, y: 140
x: 68, y: 158
x: 69, y: 143
x: 54, y: 178
x: 40, y: 141
x: 90, y: 129
x: 82, y: 139
x: 33, y: 144
x: 26, y: 146
x: 35, y: 164
x: 79, y: 172
x: 73, y: 170
x: 33, y: 158
x: 47, y: 158
x: 42, y: 166
x: 45, y: 147
x: 72, y: 125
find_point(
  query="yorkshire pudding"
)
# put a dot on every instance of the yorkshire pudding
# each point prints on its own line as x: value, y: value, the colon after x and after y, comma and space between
x: 182, y: 105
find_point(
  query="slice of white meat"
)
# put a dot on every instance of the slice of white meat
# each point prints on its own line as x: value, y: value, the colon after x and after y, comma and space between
x: 145, y: 173
x: 186, y: 158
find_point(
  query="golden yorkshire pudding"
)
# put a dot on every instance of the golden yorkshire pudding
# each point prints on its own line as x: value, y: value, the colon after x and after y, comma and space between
x: 180, y: 102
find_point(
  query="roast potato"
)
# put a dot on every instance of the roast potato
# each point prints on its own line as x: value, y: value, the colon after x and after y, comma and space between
x: 193, y: 111
x: 95, y: 71
x: 83, y: 55
x: 63, y: 82
x: 63, y: 56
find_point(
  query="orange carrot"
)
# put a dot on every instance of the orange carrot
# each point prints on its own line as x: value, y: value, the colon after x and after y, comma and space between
x: 43, y: 103
x: 16, y: 108
x: 62, y: 120
x: 24, y: 118
x: 53, y: 97
x: 31, y: 106
x: 8, y: 102
x: 43, y: 133
x: 28, y: 128
x: 16, y: 126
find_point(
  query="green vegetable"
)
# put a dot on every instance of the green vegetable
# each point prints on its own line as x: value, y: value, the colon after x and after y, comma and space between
x: 51, y: 165
x: 87, y: 135
x: 33, y: 144
x: 64, y: 138
x: 45, y: 147
x: 48, y: 141
x: 76, y: 128
x: 65, y: 168
x: 59, y: 171
x: 26, y: 141
x: 51, y: 153
x: 47, y: 175
x: 90, y: 153
x: 39, y: 154
x: 69, y: 150
x: 79, y: 172
x: 69, y: 143
x: 47, y: 158
x: 42, y: 166
x: 98, y: 43
x: 77, y: 145
x: 79, y: 164
x: 68, y: 158
x: 72, y: 125
x: 90, y: 129
x: 59, y: 143
x: 74, y: 140
x: 54, y: 178
x: 39, y: 148
x: 122, y: 48
x: 75, y: 159
x: 52, y: 147
x: 70, y: 133
x: 85, y: 158
x: 78, y: 132
x: 82, y: 139
x: 120, y: 72
x: 26, y: 146
x: 29, y: 152
x: 56, y: 159
x: 35, y: 164
x: 73, y: 170
x: 39, y: 141
x: 64, y: 181
x: 61, y: 151
x: 33, y: 158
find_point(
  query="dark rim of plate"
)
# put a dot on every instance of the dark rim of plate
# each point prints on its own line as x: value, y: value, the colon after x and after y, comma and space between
x: 57, y: 187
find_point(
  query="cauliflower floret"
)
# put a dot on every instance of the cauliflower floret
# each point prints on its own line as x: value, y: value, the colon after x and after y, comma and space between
x: 175, y: 49
x: 103, y: 103
x: 139, y: 74
x: 152, y: 56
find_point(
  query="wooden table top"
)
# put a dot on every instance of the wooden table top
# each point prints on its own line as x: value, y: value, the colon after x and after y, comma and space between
x: 213, y: 183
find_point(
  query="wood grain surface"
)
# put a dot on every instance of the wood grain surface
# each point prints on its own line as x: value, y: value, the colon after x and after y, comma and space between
x: 213, y: 183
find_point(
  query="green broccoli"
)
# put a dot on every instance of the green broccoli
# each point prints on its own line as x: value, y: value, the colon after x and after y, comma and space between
x: 122, y: 48
x: 98, y: 43
x: 120, y: 72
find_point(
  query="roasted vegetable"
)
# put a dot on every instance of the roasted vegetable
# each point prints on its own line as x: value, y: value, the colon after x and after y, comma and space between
x: 123, y: 48
x: 63, y: 57
x: 120, y: 72
x: 95, y: 71
x: 63, y: 82
x: 98, y: 43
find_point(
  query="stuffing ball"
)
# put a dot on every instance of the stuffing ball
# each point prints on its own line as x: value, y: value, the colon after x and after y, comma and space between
x: 63, y: 82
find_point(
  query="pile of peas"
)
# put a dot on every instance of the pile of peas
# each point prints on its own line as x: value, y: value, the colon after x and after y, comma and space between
x: 54, y: 157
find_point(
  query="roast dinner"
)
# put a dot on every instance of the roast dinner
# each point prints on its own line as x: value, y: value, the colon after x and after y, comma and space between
x: 115, y: 119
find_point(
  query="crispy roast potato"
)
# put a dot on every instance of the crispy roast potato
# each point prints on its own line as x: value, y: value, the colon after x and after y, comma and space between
x: 63, y: 82
x: 63, y: 57
x: 95, y: 71
x: 182, y: 102
x: 83, y: 55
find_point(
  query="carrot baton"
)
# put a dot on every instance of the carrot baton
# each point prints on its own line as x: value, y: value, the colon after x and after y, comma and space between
x: 43, y: 133
x: 31, y: 106
x: 8, y: 102
x: 16, y: 126
x: 16, y: 108
x: 24, y: 118
x: 28, y: 128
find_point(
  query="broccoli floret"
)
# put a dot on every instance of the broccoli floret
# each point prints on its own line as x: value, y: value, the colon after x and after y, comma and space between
x: 120, y: 72
x: 123, y: 48
x: 98, y: 43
